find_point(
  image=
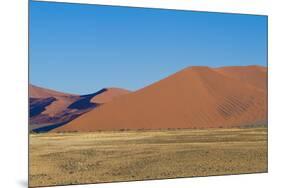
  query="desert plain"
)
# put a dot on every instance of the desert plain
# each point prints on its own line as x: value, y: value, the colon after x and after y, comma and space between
x: 111, y: 156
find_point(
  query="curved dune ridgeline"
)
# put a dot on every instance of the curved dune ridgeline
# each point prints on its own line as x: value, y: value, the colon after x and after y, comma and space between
x: 196, y: 97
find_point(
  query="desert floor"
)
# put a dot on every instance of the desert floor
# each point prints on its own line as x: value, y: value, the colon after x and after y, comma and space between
x: 74, y: 158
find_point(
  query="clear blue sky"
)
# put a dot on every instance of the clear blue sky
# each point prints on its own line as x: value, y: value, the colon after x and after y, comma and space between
x: 82, y: 48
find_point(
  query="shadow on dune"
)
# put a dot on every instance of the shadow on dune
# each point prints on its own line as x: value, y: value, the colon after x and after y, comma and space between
x: 81, y: 106
x: 50, y: 127
x: 85, y: 101
x: 38, y: 105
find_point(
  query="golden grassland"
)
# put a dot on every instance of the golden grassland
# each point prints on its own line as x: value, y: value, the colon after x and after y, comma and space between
x: 74, y: 158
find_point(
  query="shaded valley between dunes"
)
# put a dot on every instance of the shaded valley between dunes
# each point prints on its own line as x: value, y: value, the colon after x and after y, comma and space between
x: 49, y: 109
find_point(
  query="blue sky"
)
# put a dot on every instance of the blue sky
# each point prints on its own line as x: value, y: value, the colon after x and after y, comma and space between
x: 80, y: 49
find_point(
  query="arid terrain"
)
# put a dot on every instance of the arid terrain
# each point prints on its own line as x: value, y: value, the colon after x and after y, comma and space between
x: 106, y: 156
x: 200, y: 121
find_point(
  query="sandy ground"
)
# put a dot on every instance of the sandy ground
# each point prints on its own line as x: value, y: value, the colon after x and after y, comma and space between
x: 74, y: 158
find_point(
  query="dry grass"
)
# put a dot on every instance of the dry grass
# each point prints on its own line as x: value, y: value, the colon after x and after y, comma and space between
x: 74, y: 158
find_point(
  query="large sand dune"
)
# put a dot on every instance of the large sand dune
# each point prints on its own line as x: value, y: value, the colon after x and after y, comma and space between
x: 196, y: 97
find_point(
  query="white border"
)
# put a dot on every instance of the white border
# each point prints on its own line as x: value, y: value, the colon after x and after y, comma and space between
x: 230, y: 6
x: 13, y: 95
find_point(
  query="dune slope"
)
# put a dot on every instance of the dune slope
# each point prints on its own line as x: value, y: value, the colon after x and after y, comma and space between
x: 253, y: 75
x: 196, y: 97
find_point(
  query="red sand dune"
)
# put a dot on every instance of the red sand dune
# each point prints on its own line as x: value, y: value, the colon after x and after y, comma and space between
x: 39, y: 92
x: 196, y: 97
x: 62, y: 100
x: 49, y: 107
